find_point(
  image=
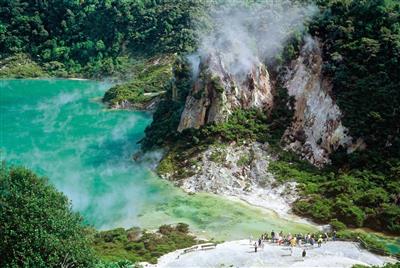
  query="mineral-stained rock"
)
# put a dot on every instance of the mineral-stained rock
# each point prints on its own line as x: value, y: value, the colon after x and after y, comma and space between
x: 316, y: 130
x: 217, y: 92
x: 250, y: 180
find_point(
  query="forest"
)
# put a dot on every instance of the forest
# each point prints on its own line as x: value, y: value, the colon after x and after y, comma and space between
x: 94, y: 38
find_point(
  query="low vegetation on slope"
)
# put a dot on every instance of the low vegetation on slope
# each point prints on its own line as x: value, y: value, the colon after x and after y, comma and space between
x: 149, y: 79
x: 20, y: 66
x: 357, y: 197
x: 136, y: 245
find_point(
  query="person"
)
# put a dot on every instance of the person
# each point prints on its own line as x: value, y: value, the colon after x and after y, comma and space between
x: 306, y: 238
x: 304, y: 253
x: 293, y: 242
x: 334, y: 236
x: 326, y: 237
x: 273, y: 236
x: 312, y: 241
x: 259, y: 242
x: 255, y: 247
x: 320, y: 241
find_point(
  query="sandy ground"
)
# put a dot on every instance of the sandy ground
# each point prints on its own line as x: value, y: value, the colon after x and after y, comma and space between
x: 240, y: 254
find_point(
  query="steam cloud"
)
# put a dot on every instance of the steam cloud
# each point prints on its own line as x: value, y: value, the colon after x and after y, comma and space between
x: 243, y: 35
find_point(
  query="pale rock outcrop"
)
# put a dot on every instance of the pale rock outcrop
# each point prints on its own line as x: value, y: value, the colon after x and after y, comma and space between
x: 316, y: 130
x: 218, y: 91
x: 241, y: 171
x: 149, y: 105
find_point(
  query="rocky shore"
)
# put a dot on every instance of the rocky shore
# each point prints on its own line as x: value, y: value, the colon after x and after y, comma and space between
x: 238, y: 171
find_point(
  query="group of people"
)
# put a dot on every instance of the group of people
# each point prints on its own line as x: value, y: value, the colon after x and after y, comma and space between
x: 292, y: 240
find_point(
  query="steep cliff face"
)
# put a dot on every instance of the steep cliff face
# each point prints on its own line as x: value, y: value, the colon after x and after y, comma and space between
x: 219, y: 90
x: 316, y: 130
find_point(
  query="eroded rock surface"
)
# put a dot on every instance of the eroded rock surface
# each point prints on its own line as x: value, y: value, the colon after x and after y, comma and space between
x: 240, y: 171
x: 218, y: 91
x: 316, y: 130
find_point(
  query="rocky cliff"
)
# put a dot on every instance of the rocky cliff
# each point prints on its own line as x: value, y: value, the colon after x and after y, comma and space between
x: 219, y: 90
x: 316, y: 130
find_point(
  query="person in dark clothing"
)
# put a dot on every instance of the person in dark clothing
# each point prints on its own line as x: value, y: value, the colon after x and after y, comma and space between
x: 255, y: 247
x: 259, y: 242
x: 304, y: 253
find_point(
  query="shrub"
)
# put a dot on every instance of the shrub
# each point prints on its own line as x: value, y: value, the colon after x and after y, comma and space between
x: 146, y: 247
x: 182, y: 227
x: 348, y: 213
x: 337, y: 225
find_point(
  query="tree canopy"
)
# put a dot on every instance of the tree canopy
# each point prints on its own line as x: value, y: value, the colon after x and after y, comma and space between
x: 90, y: 36
x: 38, y: 227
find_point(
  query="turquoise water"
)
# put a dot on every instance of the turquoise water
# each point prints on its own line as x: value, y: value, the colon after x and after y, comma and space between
x: 59, y: 129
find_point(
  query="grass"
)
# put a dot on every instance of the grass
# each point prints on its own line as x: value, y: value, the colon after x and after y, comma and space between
x: 244, y: 160
x: 218, y: 156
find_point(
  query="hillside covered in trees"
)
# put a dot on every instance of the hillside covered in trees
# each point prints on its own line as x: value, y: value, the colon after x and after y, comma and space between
x: 94, y: 38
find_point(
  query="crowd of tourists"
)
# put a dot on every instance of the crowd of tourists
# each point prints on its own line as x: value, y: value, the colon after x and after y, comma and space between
x: 301, y: 240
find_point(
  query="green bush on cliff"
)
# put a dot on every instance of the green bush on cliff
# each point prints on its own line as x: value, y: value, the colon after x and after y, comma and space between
x: 38, y: 227
x: 241, y: 125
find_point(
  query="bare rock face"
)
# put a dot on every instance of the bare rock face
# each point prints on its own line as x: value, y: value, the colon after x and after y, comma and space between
x: 218, y: 91
x: 316, y: 130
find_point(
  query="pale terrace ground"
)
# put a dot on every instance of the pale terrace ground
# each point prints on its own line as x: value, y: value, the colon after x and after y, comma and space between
x: 241, y: 254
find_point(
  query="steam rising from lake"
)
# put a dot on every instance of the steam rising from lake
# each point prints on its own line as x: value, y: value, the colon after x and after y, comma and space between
x: 57, y: 129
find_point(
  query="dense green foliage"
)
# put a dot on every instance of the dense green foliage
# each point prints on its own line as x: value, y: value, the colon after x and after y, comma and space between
x: 355, y: 197
x: 91, y: 37
x: 38, y: 228
x: 136, y: 245
x: 361, y: 42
